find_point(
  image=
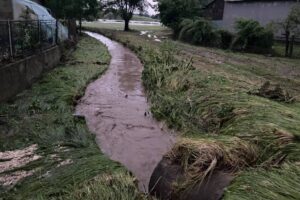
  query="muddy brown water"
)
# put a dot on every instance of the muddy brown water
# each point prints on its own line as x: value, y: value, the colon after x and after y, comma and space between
x: 116, y: 110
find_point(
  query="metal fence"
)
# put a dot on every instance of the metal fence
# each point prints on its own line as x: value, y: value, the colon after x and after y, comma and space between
x: 24, y: 38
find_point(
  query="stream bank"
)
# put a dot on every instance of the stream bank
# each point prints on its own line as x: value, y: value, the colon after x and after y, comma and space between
x: 117, y: 112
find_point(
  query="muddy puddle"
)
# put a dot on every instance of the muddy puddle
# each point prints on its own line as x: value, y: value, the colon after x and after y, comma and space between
x: 116, y: 110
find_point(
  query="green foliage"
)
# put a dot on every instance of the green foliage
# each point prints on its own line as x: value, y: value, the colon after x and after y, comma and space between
x: 74, y: 9
x: 294, y: 15
x: 226, y: 38
x: 117, y: 186
x: 172, y: 12
x: 126, y: 9
x: 198, y: 31
x: 290, y: 25
x: 282, y: 183
x: 251, y: 36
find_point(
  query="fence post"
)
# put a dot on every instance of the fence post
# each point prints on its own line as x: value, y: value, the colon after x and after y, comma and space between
x: 56, y: 32
x: 292, y: 46
x: 10, y: 39
x: 39, y: 33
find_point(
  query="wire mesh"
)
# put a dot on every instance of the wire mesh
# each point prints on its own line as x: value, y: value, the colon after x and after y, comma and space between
x: 24, y: 38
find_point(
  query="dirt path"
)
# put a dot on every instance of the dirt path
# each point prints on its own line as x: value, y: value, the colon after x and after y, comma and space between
x: 115, y: 108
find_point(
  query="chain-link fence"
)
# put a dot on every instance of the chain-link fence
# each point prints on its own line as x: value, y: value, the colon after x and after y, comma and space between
x: 24, y: 38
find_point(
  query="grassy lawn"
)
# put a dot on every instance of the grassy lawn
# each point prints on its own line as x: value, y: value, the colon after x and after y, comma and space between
x: 207, y: 95
x: 65, y: 162
x: 120, y: 26
x: 143, y: 18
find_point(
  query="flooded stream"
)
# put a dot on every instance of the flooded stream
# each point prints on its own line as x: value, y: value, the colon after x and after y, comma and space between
x: 116, y: 110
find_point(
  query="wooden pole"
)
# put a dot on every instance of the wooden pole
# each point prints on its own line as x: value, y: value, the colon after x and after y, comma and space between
x: 10, y: 40
x: 292, y: 45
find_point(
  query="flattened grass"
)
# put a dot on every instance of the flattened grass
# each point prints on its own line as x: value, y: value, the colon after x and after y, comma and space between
x: 43, y: 115
x: 203, y: 93
x: 263, y: 184
x: 120, y: 26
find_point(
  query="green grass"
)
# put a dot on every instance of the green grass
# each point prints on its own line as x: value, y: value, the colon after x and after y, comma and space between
x: 203, y: 93
x: 279, y: 48
x: 280, y: 184
x: 143, y: 18
x: 43, y: 115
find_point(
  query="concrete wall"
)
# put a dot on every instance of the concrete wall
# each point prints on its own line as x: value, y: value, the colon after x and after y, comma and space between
x: 264, y: 12
x: 6, y: 11
x: 20, y: 75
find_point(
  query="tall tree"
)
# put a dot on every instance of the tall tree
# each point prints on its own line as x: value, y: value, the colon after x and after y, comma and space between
x: 74, y: 9
x: 172, y: 12
x: 126, y: 9
x: 291, y: 27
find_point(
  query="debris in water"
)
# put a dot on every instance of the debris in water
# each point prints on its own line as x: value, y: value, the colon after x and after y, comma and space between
x: 157, y: 40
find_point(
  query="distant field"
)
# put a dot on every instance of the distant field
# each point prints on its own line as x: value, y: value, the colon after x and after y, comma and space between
x: 120, y: 26
x: 142, y: 18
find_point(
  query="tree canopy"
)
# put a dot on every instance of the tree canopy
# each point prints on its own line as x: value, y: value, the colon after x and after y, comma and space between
x: 126, y: 9
x: 290, y: 25
x: 172, y: 12
x: 73, y: 9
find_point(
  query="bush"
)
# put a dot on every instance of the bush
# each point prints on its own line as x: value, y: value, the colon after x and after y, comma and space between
x: 226, y: 39
x: 173, y: 11
x: 198, y: 31
x: 251, y: 36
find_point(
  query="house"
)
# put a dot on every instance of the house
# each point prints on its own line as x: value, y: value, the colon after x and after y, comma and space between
x: 224, y: 13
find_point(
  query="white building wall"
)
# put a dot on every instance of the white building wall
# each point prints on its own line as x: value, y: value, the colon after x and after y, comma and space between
x: 263, y: 12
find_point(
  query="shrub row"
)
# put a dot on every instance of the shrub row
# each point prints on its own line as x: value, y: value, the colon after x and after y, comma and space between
x: 250, y: 35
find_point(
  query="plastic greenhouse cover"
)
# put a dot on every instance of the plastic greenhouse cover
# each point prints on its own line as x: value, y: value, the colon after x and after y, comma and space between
x: 43, y: 14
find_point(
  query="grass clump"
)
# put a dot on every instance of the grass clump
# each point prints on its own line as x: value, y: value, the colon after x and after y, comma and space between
x: 69, y: 156
x: 107, y: 186
x: 282, y: 183
x: 200, y: 157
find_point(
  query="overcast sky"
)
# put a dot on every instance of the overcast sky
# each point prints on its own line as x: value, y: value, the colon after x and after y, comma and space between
x: 150, y: 10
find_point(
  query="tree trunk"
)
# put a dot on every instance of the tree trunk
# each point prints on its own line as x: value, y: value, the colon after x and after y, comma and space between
x: 80, y: 26
x: 287, y: 43
x: 126, y: 27
x: 292, y: 46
